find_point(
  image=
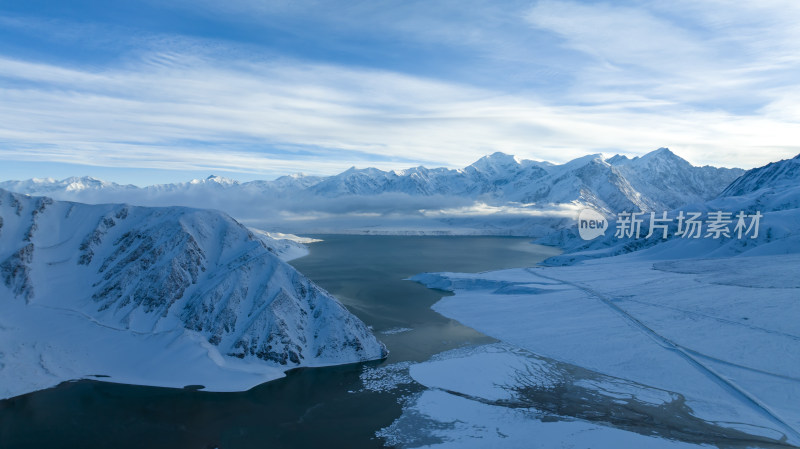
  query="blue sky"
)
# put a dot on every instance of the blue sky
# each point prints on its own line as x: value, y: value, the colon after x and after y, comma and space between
x: 153, y: 91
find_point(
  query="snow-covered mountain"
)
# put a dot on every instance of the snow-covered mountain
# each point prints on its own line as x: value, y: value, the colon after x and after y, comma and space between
x: 659, y: 180
x: 772, y: 191
x: 663, y: 176
x: 146, y: 272
x: 494, y: 177
x: 43, y: 186
x: 769, y: 178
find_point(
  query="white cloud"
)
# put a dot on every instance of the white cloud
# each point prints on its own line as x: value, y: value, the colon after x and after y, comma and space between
x: 618, y: 35
x: 701, y: 79
x: 683, y: 55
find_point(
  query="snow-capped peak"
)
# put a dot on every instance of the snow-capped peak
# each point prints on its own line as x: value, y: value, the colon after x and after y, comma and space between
x: 85, y: 182
x: 496, y: 162
x: 661, y: 152
x: 663, y: 156
x: 214, y: 179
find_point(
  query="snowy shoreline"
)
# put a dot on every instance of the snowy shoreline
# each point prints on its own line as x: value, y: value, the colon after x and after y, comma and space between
x: 717, y: 350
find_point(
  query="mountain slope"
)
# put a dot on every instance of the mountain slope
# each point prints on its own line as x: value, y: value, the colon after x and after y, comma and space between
x: 772, y: 176
x: 673, y: 181
x: 772, y: 191
x: 658, y: 181
x: 154, y: 270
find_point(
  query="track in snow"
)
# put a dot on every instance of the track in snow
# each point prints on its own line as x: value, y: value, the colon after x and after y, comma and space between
x: 741, y: 394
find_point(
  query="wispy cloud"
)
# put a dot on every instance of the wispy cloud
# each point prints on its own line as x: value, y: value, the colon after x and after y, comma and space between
x: 619, y: 36
x: 701, y: 55
x: 698, y: 78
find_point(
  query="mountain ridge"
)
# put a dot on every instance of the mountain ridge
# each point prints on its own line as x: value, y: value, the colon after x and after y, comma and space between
x: 771, y: 191
x: 455, y: 198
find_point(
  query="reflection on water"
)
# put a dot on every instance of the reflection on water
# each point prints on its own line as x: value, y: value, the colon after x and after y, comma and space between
x: 320, y: 407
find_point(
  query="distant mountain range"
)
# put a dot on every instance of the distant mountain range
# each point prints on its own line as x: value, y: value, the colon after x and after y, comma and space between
x: 165, y: 281
x: 659, y: 180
